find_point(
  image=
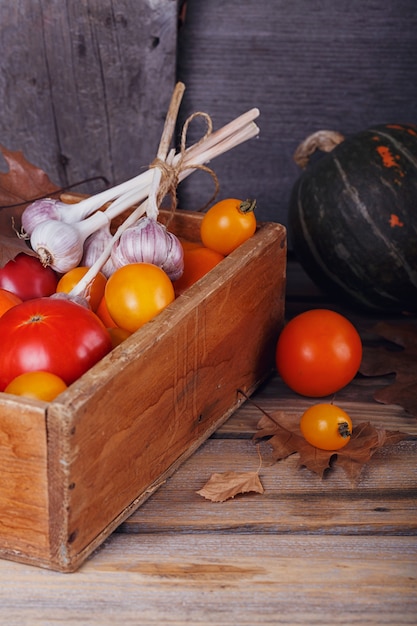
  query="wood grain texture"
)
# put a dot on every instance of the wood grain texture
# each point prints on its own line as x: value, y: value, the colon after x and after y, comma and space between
x: 23, y: 479
x: 222, y: 579
x: 308, y: 65
x: 85, y: 85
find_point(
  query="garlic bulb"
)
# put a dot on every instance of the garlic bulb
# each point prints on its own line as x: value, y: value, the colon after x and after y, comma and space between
x: 149, y: 241
x: 42, y: 210
x: 61, y: 245
x: 94, y: 246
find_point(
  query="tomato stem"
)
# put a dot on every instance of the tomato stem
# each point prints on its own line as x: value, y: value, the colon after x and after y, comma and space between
x: 246, y: 206
x: 344, y: 430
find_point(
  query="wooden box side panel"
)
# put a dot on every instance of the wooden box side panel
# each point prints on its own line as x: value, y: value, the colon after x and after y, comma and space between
x: 154, y: 400
x: 24, y: 526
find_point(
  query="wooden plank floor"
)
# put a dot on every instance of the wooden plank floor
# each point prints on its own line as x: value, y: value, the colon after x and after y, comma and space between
x: 307, y: 551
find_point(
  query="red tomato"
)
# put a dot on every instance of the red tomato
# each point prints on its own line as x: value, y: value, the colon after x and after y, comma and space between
x: 197, y: 262
x: 318, y: 353
x: 7, y: 300
x: 135, y: 293
x: 53, y: 335
x: 26, y: 277
x: 227, y: 224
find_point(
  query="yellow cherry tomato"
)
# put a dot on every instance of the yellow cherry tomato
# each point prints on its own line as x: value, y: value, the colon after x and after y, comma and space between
x: 72, y: 278
x: 326, y: 426
x: 41, y: 385
x: 135, y: 293
x: 227, y: 224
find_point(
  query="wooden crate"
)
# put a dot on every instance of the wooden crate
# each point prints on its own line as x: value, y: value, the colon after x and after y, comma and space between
x: 72, y: 470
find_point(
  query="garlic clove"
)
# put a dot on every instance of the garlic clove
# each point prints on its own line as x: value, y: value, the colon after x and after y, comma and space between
x: 94, y: 246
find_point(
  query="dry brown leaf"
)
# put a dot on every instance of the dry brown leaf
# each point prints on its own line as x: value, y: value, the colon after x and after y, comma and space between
x: 226, y: 485
x: 18, y: 186
x: 402, y: 362
x: 282, y: 432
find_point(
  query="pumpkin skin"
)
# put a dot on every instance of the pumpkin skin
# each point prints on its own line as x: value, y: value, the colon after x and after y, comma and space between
x: 352, y: 219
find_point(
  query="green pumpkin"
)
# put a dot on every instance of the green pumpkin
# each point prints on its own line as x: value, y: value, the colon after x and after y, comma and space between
x: 353, y: 216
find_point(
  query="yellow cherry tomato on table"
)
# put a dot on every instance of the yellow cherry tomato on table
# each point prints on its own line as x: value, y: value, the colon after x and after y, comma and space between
x: 227, y: 224
x: 135, y: 293
x: 326, y: 426
x: 40, y: 385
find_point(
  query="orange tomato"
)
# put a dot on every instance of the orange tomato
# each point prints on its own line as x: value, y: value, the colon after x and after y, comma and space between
x: 118, y: 335
x: 189, y: 245
x: 72, y: 278
x: 8, y: 300
x: 40, y: 385
x: 136, y: 292
x: 326, y: 426
x: 197, y: 262
x: 227, y: 224
x: 318, y: 353
x: 103, y: 313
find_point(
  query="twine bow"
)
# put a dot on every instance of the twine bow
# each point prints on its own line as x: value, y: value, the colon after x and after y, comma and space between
x: 171, y: 168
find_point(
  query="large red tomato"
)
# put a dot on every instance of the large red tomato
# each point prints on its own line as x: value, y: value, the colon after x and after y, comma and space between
x: 52, y: 335
x: 26, y: 277
x: 318, y: 353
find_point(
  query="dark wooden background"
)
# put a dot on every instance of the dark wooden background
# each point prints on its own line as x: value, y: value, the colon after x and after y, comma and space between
x: 84, y: 86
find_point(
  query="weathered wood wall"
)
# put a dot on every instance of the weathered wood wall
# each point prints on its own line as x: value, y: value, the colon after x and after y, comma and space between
x: 85, y: 85
x: 308, y: 65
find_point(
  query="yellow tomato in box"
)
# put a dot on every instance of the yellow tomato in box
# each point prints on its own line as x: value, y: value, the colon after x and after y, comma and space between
x: 40, y: 385
x: 135, y: 293
x: 227, y: 224
x: 95, y: 291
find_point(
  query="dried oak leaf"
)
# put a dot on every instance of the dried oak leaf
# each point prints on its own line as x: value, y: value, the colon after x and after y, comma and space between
x: 226, y: 485
x: 282, y: 432
x: 18, y: 186
x: 382, y: 361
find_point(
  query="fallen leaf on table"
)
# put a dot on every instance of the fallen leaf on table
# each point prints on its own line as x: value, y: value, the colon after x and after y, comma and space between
x: 382, y: 361
x: 18, y: 186
x: 282, y: 432
x: 226, y: 485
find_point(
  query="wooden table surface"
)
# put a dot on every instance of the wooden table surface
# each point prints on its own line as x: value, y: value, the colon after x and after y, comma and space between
x: 307, y: 551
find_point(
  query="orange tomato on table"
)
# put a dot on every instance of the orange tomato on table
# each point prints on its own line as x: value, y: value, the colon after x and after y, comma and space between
x: 318, y: 353
x: 326, y: 426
